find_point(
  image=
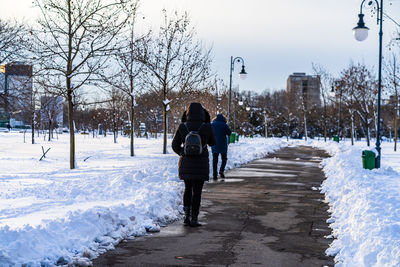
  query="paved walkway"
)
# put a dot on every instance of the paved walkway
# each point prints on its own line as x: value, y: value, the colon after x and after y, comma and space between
x: 265, y: 214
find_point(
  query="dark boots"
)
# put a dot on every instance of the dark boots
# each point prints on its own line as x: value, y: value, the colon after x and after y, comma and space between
x: 190, y: 219
x: 194, y: 221
x: 186, y: 221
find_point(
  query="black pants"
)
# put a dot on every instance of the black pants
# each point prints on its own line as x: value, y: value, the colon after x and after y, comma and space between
x: 215, y: 163
x: 192, y: 195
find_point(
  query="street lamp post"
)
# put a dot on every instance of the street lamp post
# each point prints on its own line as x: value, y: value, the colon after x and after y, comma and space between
x: 265, y: 123
x: 361, y: 33
x: 242, y: 75
x: 234, y: 111
x: 340, y: 92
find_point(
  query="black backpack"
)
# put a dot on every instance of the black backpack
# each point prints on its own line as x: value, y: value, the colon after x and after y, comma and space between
x: 193, y: 145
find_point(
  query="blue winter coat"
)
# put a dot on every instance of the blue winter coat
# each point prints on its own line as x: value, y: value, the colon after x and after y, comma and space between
x: 221, y: 131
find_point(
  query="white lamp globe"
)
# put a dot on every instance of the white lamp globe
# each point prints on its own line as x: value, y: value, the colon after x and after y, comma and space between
x: 360, y: 34
x: 243, y: 73
x: 360, y: 31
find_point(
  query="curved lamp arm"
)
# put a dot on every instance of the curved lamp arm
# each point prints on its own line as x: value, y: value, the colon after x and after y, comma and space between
x: 370, y: 3
x: 243, y: 72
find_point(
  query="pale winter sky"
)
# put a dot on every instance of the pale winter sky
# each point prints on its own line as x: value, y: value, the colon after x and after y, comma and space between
x: 275, y: 38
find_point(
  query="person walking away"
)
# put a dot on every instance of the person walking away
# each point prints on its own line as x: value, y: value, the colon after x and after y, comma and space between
x: 194, y: 163
x: 221, y: 131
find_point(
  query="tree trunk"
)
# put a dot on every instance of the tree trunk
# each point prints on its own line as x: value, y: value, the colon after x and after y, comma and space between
x: 396, y: 107
x: 325, y: 123
x: 33, y: 128
x: 114, y: 127
x: 287, y: 129
x: 132, y: 133
x: 132, y: 128
x: 367, y: 133
x: 266, y: 127
x: 396, y: 110
x: 165, y: 119
x: 305, y: 126
x: 49, y: 139
x: 165, y: 129
x: 352, y: 127
x: 395, y: 124
x: 71, y: 131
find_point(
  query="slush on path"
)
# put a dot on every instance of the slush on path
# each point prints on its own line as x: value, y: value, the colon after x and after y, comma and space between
x: 266, y: 213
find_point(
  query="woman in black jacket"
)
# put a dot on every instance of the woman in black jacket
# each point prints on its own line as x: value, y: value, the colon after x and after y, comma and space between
x: 193, y: 170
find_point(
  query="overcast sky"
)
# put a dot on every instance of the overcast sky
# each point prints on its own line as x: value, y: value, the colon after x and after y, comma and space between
x: 275, y: 38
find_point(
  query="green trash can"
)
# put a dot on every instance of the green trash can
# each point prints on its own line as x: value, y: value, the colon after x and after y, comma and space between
x: 368, y: 159
x: 336, y: 138
x: 237, y: 137
x: 232, y: 138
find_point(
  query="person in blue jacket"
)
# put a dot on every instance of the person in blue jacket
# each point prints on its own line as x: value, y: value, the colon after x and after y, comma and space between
x: 221, y: 131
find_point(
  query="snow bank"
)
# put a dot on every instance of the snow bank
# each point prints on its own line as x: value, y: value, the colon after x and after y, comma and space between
x: 52, y: 215
x: 365, y: 205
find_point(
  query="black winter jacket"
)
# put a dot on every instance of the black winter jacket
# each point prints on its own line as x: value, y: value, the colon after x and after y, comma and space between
x: 194, y: 167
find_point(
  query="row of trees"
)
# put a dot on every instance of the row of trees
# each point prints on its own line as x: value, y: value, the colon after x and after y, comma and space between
x: 88, y: 52
x: 271, y: 113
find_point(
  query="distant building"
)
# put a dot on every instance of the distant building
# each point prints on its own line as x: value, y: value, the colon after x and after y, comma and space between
x: 302, y: 87
x: 15, y: 94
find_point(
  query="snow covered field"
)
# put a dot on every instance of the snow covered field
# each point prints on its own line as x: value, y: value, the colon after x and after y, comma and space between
x: 50, y: 214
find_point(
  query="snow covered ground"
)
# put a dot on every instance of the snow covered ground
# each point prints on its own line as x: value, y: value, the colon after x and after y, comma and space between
x: 50, y: 214
x: 365, y: 205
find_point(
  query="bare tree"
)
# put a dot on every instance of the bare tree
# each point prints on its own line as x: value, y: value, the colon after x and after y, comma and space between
x: 392, y: 69
x: 12, y: 41
x: 127, y: 77
x: 75, y: 40
x: 360, y: 89
x: 116, y: 106
x: 325, y: 82
x: 51, y: 111
x: 347, y: 84
x: 174, y: 61
x: 12, y: 48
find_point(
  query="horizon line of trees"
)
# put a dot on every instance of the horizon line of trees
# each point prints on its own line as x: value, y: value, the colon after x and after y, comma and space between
x: 90, y: 53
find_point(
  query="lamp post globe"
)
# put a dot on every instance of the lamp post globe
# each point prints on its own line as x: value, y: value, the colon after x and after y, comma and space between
x: 243, y: 73
x: 360, y: 34
x: 360, y: 31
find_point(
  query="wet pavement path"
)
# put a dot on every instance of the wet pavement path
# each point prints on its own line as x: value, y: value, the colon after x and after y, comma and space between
x: 265, y: 214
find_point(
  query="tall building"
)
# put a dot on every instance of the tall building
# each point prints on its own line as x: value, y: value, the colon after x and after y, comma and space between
x: 15, y: 94
x: 303, y: 88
